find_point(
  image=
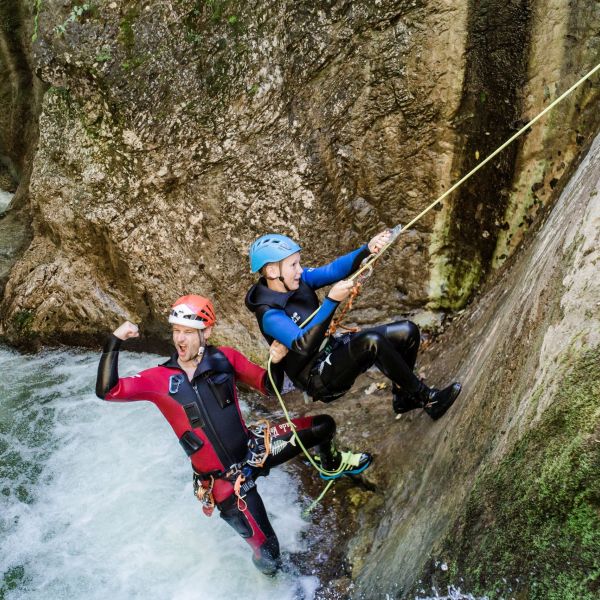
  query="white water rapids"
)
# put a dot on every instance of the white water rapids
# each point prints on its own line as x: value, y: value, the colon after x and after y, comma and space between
x: 96, y: 497
x: 5, y: 198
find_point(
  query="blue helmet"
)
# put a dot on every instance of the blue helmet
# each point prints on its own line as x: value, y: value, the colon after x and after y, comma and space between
x: 271, y: 248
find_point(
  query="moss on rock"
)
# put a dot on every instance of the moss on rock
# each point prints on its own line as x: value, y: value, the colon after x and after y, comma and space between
x: 531, y: 527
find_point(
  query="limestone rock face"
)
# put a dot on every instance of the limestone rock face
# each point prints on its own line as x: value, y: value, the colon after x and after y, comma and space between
x: 503, y: 490
x: 20, y: 97
x: 172, y: 134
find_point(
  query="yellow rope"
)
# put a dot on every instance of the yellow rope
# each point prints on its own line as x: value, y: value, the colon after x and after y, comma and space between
x: 519, y: 133
x: 479, y: 166
x: 325, y: 472
x: 375, y: 257
x: 318, y: 498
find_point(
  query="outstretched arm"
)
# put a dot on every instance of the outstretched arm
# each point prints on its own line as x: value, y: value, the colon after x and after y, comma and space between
x: 345, y: 265
x: 253, y: 375
x: 334, y: 271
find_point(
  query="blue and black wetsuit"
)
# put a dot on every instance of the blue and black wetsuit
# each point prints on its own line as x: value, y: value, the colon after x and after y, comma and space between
x: 327, y: 371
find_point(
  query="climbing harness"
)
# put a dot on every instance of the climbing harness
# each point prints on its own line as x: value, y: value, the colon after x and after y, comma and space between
x: 240, y: 477
x: 366, y: 269
x: 239, y: 474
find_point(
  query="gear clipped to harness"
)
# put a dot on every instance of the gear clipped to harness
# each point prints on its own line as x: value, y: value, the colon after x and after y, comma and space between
x: 259, y: 444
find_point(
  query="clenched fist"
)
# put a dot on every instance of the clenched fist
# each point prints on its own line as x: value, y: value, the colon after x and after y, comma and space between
x: 126, y: 331
x: 379, y: 241
x: 341, y: 290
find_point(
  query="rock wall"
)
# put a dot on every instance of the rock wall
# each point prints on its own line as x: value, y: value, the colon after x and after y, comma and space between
x: 174, y: 133
x: 503, y: 490
x: 20, y: 99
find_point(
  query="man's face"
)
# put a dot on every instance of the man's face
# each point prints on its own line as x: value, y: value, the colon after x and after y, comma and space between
x: 290, y: 270
x: 187, y: 342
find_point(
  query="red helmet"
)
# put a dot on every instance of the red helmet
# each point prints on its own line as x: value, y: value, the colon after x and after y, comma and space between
x: 193, y: 311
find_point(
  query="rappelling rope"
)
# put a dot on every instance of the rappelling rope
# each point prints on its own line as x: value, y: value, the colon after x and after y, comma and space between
x: 343, y: 463
x: 519, y: 133
x: 368, y: 264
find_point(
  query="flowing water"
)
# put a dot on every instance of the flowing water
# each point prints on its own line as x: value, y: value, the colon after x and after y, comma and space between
x: 96, y: 497
x: 5, y: 198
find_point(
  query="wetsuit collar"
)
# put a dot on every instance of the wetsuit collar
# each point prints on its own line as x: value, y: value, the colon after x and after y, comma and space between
x: 260, y: 293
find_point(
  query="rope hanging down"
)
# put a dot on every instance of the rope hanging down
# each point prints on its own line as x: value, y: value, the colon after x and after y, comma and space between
x: 369, y: 263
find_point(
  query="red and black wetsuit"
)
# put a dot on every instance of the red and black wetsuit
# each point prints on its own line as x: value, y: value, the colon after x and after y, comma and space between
x: 205, y: 416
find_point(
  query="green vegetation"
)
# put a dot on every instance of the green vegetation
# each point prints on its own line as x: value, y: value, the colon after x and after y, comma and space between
x: 76, y: 12
x: 126, y: 34
x: 37, y: 7
x: 104, y: 55
x: 215, y: 12
x: 22, y: 321
x: 531, y: 527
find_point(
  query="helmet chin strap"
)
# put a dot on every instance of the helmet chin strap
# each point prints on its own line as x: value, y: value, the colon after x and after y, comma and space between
x: 281, y: 277
x: 202, y: 345
x: 284, y: 283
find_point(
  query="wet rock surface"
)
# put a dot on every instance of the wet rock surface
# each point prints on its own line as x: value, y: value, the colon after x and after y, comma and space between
x: 526, y: 351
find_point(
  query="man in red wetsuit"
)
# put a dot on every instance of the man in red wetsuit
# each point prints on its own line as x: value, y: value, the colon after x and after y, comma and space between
x: 196, y: 392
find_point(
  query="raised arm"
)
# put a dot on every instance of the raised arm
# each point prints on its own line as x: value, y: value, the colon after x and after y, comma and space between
x: 108, y: 384
x: 345, y: 265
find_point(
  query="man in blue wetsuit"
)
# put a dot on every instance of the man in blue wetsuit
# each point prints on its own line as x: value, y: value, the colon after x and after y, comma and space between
x: 326, y: 368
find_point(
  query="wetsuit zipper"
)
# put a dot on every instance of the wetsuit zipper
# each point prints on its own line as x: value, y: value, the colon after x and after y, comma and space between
x: 212, y: 429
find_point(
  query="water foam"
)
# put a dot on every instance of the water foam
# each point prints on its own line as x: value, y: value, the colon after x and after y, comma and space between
x: 5, y: 198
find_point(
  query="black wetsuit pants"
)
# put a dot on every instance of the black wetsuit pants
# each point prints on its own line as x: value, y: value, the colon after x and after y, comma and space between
x: 392, y: 348
x: 248, y: 516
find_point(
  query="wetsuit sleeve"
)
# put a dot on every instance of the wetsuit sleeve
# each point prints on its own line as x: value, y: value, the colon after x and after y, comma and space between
x: 305, y: 341
x: 108, y: 369
x: 248, y: 372
x: 108, y: 384
x: 339, y: 269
